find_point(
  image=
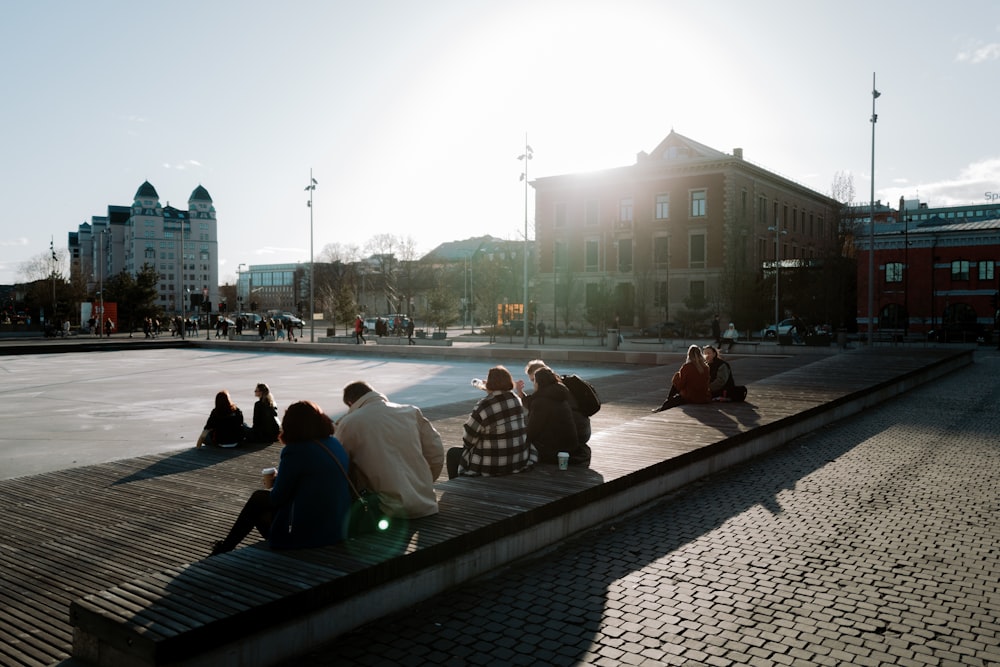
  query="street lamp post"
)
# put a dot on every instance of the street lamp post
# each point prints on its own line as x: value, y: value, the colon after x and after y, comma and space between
x: 183, y: 326
x: 526, y: 156
x: 871, y: 228
x: 55, y: 264
x: 100, y: 261
x: 239, y: 287
x: 777, y: 276
x: 312, y: 264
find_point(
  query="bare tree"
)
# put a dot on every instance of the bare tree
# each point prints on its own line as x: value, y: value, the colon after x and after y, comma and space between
x: 383, y: 250
x: 345, y: 253
x: 43, y: 266
x: 842, y: 188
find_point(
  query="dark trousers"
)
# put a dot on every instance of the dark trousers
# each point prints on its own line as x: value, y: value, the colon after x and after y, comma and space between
x: 452, y: 458
x: 673, y: 400
x: 256, y: 513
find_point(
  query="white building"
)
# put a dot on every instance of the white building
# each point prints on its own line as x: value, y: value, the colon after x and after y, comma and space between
x: 182, y: 246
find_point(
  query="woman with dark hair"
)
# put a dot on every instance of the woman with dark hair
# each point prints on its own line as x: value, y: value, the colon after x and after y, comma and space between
x: 311, y: 484
x: 551, y: 427
x: 690, y: 382
x: 495, y: 438
x: 265, y: 417
x: 225, y: 423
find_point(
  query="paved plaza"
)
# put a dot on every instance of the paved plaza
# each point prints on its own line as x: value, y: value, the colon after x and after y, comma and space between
x: 870, y: 542
x: 73, y: 409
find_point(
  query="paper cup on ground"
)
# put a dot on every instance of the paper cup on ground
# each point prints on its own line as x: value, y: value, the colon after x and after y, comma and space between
x: 563, y: 460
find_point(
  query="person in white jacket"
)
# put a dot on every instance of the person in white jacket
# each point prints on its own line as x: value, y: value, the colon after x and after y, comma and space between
x: 395, y: 451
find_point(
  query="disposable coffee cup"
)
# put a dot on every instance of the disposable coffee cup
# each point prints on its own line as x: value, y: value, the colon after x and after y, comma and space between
x: 267, y: 476
x: 563, y: 460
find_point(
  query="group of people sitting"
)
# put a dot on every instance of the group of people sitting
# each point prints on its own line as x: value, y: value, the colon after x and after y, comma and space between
x: 225, y: 426
x: 510, y: 431
x: 389, y: 453
x: 703, y: 377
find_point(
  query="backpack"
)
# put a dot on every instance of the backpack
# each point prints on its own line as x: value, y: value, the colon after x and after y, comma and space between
x: 587, y: 400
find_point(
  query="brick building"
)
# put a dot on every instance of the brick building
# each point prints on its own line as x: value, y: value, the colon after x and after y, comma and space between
x: 935, y: 269
x: 685, y: 220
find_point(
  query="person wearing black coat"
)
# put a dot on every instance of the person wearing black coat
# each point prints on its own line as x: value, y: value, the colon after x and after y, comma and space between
x: 225, y: 423
x: 551, y: 427
x: 265, y: 417
x: 581, y: 454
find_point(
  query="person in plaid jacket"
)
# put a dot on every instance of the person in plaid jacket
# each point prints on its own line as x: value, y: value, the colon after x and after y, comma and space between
x: 495, y: 437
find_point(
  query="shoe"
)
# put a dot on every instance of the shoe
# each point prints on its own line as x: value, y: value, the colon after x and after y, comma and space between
x: 659, y: 409
x: 220, y: 548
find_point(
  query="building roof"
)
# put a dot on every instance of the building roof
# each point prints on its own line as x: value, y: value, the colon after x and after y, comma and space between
x: 676, y: 147
x: 939, y: 224
x: 455, y: 251
x: 171, y: 212
x: 146, y: 191
x: 121, y: 214
x: 200, y: 194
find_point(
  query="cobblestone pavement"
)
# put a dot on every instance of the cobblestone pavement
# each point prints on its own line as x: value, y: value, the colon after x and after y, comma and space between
x: 873, y: 541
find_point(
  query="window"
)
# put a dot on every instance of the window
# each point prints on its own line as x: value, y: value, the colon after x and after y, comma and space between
x: 660, y: 298
x: 661, y: 252
x: 592, y: 254
x: 960, y: 269
x: 697, y: 291
x: 591, y: 215
x: 561, y: 258
x: 625, y: 210
x: 986, y: 270
x: 696, y: 251
x: 697, y: 203
x: 560, y: 214
x: 624, y: 255
x: 762, y: 207
x: 743, y: 203
x: 894, y: 272
x: 593, y: 293
x: 662, y: 207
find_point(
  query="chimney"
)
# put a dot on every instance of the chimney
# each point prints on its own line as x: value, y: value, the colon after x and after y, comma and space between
x: 738, y: 153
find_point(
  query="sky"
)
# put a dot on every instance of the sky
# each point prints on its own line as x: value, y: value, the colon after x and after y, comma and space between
x: 411, y: 115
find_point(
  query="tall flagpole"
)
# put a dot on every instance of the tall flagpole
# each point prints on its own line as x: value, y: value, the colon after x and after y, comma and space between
x: 312, y: 264
x: 871, y: 228
x: 526, y: 156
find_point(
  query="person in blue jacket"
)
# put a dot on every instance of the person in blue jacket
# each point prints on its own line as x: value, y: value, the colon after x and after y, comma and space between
x: 309, y: 499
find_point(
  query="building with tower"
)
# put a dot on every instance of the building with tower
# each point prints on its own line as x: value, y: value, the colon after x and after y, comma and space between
x: 181, y: 245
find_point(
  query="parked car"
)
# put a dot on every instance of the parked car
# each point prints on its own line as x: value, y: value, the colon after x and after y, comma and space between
x: 369, y: 325
x: 784, y: 328
x: 516, y: 328
x: 662, y: 330
x: 288, y: 319
x: 961, y: 332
